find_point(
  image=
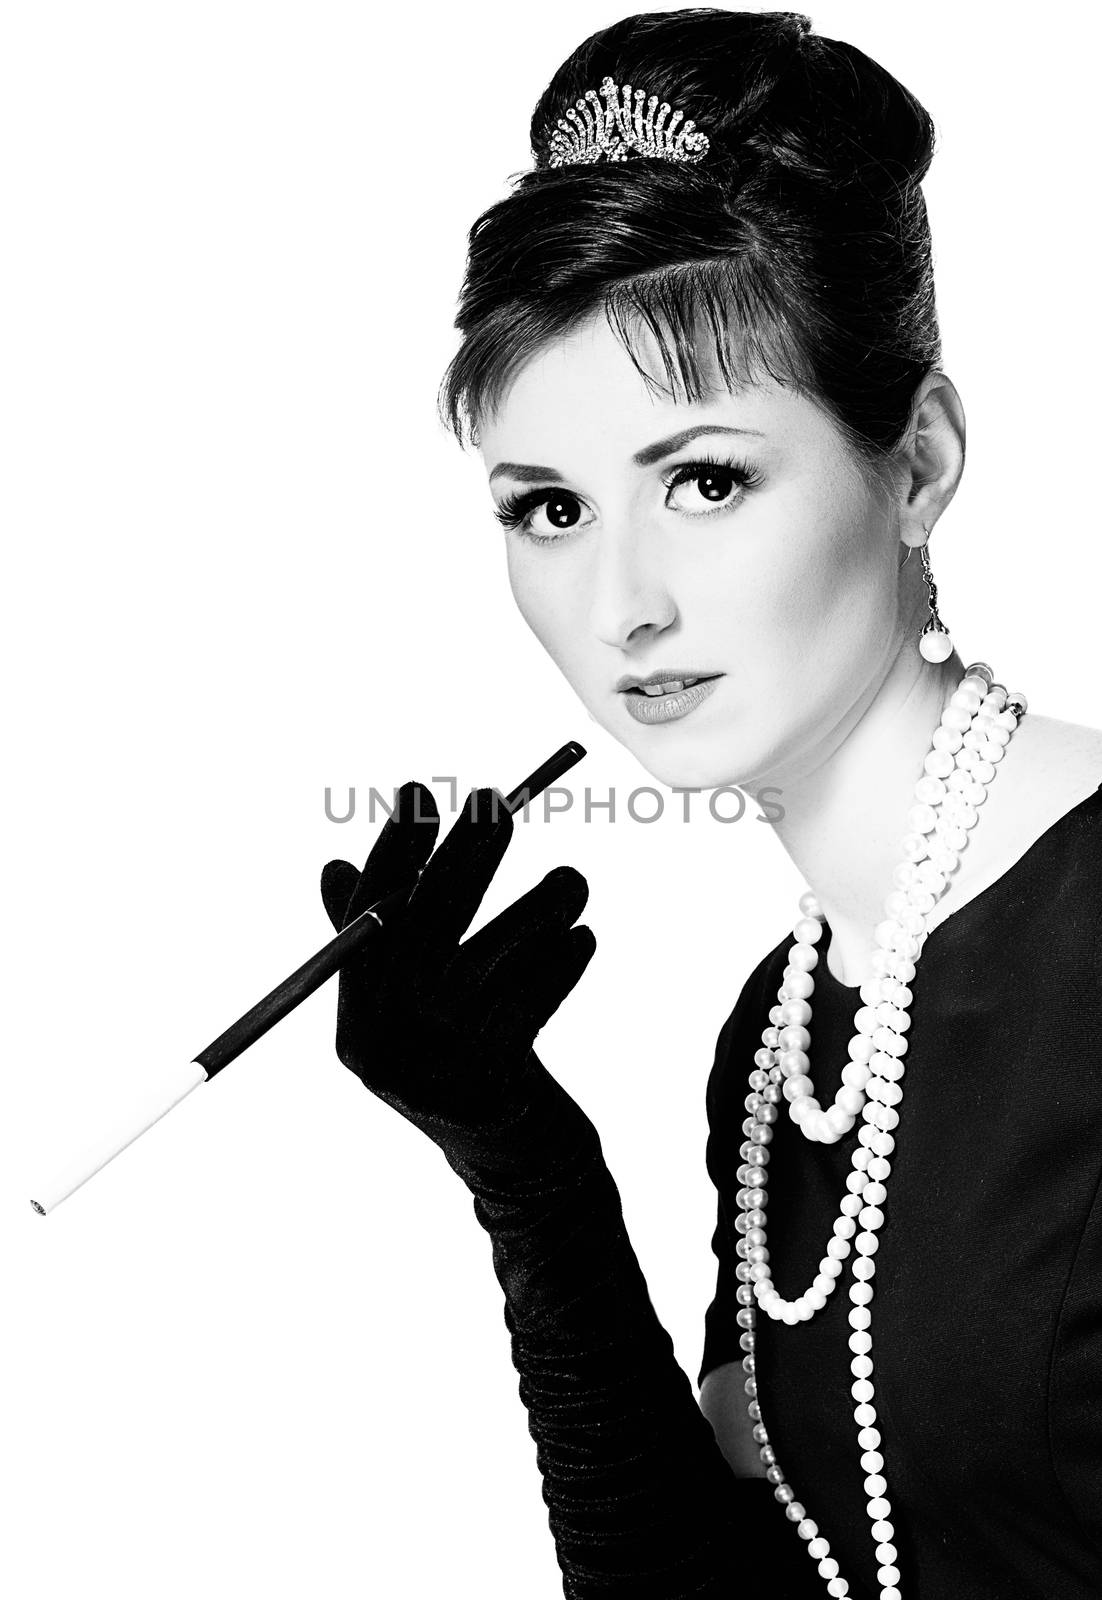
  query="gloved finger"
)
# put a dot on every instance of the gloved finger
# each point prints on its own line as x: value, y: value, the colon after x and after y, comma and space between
x: 552, y: 904
x: 454, y: 882
x: 401, y: 850
x: 529, y: 985
x: 338, y: 879
x: 545, y: 988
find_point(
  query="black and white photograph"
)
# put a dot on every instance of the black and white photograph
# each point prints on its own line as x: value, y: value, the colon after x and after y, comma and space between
x: 554, y: 816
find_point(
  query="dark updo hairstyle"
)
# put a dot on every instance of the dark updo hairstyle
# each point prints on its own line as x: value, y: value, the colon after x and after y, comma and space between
x: 799, y: 245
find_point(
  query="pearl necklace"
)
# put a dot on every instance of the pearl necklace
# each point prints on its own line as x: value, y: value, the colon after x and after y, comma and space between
x: 967, y: 746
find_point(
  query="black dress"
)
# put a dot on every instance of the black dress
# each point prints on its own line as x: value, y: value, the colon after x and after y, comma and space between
x: 987, y: 1313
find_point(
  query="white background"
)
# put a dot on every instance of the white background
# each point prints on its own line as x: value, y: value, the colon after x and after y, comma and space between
x: 263, y: 1352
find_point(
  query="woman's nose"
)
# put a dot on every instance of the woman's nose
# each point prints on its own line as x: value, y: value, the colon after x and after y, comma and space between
x: 628, y: 591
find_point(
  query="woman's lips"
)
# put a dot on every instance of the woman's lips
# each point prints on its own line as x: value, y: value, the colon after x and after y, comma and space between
x: 652, y: 708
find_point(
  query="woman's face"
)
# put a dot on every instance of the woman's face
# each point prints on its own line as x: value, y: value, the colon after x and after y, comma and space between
x: 774, y: 570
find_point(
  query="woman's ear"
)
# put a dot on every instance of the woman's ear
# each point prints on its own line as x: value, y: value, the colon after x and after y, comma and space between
x: 931, y: 456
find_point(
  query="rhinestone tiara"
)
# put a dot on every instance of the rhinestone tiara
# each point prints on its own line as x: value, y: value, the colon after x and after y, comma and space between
x: 621, y: 128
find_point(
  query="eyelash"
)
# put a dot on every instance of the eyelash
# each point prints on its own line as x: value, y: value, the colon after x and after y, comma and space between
x: 515, y: 510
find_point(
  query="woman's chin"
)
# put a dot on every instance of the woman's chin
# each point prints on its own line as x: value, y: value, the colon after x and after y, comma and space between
x: 682, y: 754
x: 686, y: 763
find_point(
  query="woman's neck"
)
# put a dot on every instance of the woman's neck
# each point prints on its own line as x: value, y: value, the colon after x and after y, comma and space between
x: 844, y: 819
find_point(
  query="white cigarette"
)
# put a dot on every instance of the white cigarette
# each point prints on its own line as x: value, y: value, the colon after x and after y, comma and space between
x: 156, y: 1098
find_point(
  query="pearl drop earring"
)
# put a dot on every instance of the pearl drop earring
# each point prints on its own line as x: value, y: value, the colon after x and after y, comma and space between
x: 934, y: 642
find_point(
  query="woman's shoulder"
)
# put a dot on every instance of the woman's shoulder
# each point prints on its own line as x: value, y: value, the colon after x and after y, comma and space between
x: 1059, y: 754
x: 1051, y: 794
x: 1054, y: 764
x: 1042, y: 813
x: 740, y: 1035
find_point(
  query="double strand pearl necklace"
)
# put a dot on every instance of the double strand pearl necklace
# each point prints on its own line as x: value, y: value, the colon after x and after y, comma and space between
x: 967, y: 746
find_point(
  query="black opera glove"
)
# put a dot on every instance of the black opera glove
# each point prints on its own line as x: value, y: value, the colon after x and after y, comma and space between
x: 640, y: 1501
x: 443, y: 1031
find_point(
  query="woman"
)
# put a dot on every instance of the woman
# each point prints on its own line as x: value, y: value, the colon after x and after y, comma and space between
x: 701, y: 363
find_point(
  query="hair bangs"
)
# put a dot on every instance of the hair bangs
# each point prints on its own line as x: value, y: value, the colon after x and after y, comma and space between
x: 715, y: 326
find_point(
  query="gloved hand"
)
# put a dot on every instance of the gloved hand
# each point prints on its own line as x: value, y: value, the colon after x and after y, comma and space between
x: 443, y: 1030
x: 640, y: 1501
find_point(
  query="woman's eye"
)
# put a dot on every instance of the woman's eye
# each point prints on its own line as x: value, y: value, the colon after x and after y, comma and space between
x: 561, y: 511
x: 708, y: 486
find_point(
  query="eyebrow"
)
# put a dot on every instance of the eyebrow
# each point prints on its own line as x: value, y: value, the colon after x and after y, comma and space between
x: 651, y: 453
